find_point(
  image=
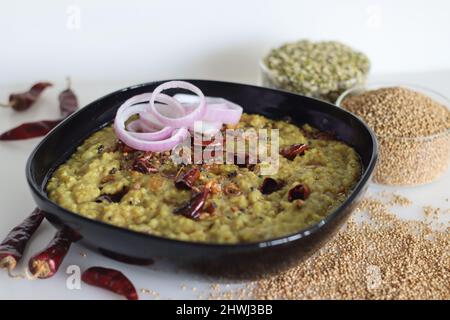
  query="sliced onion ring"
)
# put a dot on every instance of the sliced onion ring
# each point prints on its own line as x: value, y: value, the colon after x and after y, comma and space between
x: 138, y: 125
x: 156, y: 145
x: 132, y: 107
x: 208, y: 128
x: 184, y: 121
x: 163, y: 129
x: 217, y: 108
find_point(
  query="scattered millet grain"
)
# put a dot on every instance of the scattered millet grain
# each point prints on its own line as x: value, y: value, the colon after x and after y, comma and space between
x: 395, y: 199
x: 431, y: 212
x: 382, y: 258
x: 150, y: 292
x: 413, y: 132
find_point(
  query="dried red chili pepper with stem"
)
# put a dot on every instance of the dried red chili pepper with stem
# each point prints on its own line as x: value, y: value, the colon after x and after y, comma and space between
x: 46, y: 263
x: 24, y: 100
x: 110, y: 279
x: 12, y: 247
x: 30, y: 130
x: 67, y: 104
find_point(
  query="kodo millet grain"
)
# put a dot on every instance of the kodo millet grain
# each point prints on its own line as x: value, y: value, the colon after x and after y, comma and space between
x: 375, y: 256
x: 381, y: 258
x: 413, y: 132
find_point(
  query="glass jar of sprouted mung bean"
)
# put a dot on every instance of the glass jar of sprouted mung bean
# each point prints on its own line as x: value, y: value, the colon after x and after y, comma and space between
x: 320, y: 70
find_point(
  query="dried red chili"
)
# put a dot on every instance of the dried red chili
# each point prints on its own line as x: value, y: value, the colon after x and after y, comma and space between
x: 187, y: 180
x: 300, y: 191
x: 270, y: 185
x: 46, y: 263
x: 12, y: 247
x: 143, y: 165
x: 192, y: 208
x: 116, y: 197
x: 294, y: 150
x: 122, y: 147
x: 68, y: 102
x: 30, y: 130
x: 23, y: 101
x: 210, y: 208
x: 111, y: 280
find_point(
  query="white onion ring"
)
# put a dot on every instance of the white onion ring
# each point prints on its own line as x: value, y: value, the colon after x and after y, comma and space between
x: 183, y: 121
x: 162, y: 130
x: 217, y: 108
x: 139, y: 126
x: 151, y: 145
x: 131, y: 107
x: 207, y: 127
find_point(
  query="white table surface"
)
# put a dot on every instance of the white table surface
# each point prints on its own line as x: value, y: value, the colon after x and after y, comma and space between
x: 160, y: 277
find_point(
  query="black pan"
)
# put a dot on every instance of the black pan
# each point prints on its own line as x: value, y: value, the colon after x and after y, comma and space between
x: 241, y: 260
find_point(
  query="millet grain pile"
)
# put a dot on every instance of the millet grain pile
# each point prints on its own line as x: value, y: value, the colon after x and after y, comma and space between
x: 413, y: 132
x: 382, y: 258
x: 375, y: 256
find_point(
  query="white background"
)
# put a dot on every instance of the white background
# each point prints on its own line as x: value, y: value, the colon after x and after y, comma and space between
x: 106, y: 45
x: 134, y: 40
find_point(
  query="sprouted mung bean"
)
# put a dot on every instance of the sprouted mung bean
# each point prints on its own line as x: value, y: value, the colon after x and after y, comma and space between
x: 319, y: 69
x: 413, y: 132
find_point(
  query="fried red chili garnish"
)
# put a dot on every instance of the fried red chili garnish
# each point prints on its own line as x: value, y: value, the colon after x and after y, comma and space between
x: 194, y: 206
x: 294, y: 150
x: 270, y: 185
x: 187, y: 180
x: 12, y: 247
x: 46, y: 263
x: 143, y: 165
x: 116, y: 197
x: 122, y: 147
x: 300, y: 191
x: 210, y: 208
x: 23, y: 101
x: 111, y: 280
x: 231, y: 189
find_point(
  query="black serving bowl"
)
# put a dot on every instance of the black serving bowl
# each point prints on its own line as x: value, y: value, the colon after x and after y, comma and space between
x: 237, y: 260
